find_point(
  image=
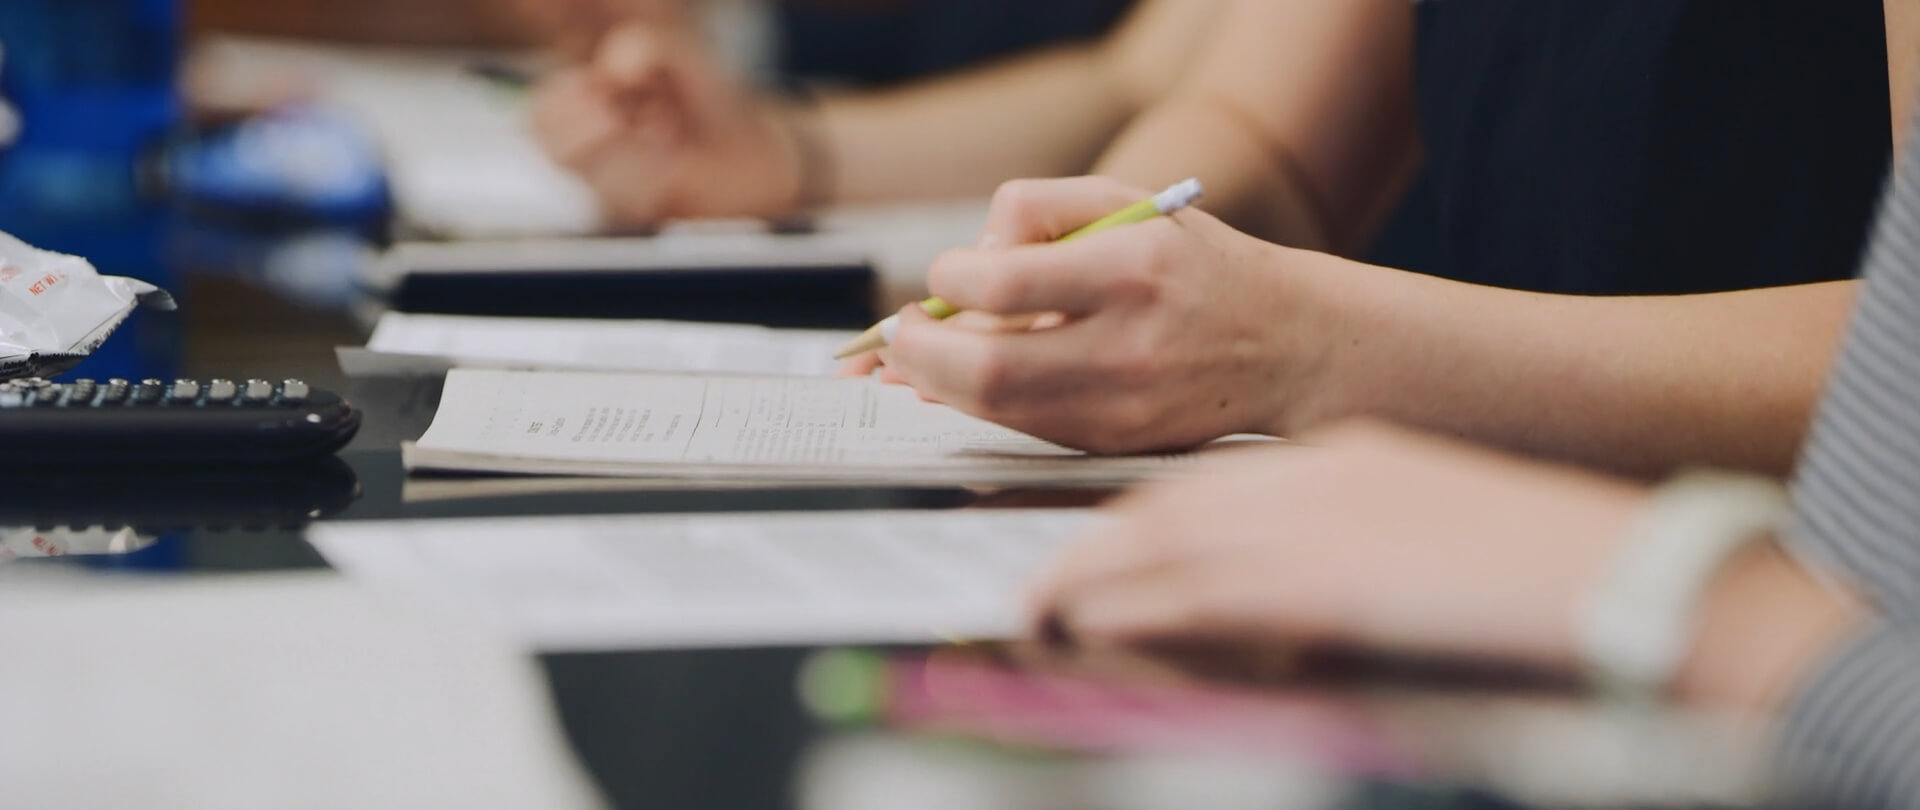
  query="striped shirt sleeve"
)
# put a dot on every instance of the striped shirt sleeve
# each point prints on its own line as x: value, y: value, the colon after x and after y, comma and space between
x: 1857, y: 493
x: 1852, y: 737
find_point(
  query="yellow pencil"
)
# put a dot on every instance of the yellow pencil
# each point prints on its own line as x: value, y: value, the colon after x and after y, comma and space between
x: 1176, y: 197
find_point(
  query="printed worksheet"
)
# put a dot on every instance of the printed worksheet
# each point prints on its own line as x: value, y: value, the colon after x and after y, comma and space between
x: 405, y: 343
x: 712, y: 426
x: 719, y: 580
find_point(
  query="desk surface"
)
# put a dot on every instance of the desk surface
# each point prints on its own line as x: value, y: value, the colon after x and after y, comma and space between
x: 669, y: 729
x: 679, y: 729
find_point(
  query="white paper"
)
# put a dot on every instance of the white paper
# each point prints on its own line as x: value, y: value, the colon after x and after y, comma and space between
x: 695, y: 245
x: 405, y: 344
x: 689, y: 426
x: 282, y: 691
x: 461, y: 159
x: 632, y: 582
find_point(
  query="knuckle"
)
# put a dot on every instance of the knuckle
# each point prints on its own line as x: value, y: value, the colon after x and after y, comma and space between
x: 1015, y: 197
x: 1003, y: 289
x: 993, y: 374
x: 1166, y: 253
x: 1124, y: 427
x: 1135, y: 423
x: 947, y: 271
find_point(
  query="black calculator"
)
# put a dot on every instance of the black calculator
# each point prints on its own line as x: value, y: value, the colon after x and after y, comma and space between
x: 184, y: 422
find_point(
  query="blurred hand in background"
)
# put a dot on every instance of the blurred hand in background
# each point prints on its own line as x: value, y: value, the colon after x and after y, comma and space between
x: 653, y: 118
x: 575, y: 27
x: 661, y: 130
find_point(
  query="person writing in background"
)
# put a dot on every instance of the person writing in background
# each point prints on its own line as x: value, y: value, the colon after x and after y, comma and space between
x: 1572, y: 172
x: 660, y: 130
x: 1602, y: 149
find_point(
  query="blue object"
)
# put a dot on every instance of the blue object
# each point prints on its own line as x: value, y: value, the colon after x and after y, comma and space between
x: 297, y: 163
x: 91, y: 86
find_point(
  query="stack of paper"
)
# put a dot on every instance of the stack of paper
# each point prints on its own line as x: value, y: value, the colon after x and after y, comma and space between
x: 766, y: 428
x: 412, y: 344
x: 623, y: 582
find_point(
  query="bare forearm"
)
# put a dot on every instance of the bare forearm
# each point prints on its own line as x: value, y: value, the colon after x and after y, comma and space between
x: 1903, y: 62
x: 1043, y: 115
x: 1252, y: 187
x: 1299, y: 118
x: 1639, y: 385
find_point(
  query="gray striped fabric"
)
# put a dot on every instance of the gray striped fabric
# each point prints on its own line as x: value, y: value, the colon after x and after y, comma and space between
x: 1857, y: 499
x: 1852, y: 738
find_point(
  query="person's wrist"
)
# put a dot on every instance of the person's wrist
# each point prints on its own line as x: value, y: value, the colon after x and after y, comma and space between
x: 804, y: 174
x: 1312, y: 329
x: 1763, y: 621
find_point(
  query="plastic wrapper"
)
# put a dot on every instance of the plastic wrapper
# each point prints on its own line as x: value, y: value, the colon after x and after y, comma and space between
x: 56, y: 309
x: 24, y: 542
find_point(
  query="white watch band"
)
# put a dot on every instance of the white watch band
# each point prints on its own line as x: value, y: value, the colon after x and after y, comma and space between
x: 1638, y: 623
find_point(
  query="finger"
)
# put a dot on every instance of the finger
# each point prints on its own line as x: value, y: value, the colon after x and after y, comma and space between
x: 1075, y: 278
x: 573, y: 118
x: 633, y: 54
x: 1163, y: 604
x: 634, y: 180
x: 1026, y: 211
x: 860, y: 365
x: 991, y: 375
x: 1121, y: 549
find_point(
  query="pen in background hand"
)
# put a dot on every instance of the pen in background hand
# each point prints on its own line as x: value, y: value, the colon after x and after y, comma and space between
x: 1176, y: 197
x: 507, y: 76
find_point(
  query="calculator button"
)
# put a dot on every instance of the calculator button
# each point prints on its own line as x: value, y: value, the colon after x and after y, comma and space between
x: 184, y: 391
x: 294, y: 392
x: 12, y: 398
x: 48, y: 395
x: 34, y: 382
x: 80, y: 392
x: 258, y: 391
x: 116, y: 392
x: 221, y: 391
x: 148, y: 392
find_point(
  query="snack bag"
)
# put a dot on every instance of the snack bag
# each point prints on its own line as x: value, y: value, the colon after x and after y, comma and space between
x: 56, y: 309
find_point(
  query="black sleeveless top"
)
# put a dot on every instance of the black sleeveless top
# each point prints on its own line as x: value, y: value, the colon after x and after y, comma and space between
x: 1652, y: 146
x: 880, y: 41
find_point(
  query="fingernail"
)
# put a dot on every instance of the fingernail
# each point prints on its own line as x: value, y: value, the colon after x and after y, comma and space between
x: 987, y: 241
x: 890, y: 329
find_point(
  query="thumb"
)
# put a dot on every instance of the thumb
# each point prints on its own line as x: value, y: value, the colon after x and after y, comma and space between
x: 633, y: 54
x: 1027, y: 211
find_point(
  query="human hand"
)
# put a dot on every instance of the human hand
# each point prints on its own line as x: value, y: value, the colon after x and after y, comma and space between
x: 1387, y: 540
x: 1370, y: 537
x: 863, y: 365
x: 575, y: 27
x: 1160, y: 335
x: 660, y: 131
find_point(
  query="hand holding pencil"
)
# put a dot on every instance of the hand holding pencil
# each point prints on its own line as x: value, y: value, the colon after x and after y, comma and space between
x: 1174, y: 198
x: 1158, y: 335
